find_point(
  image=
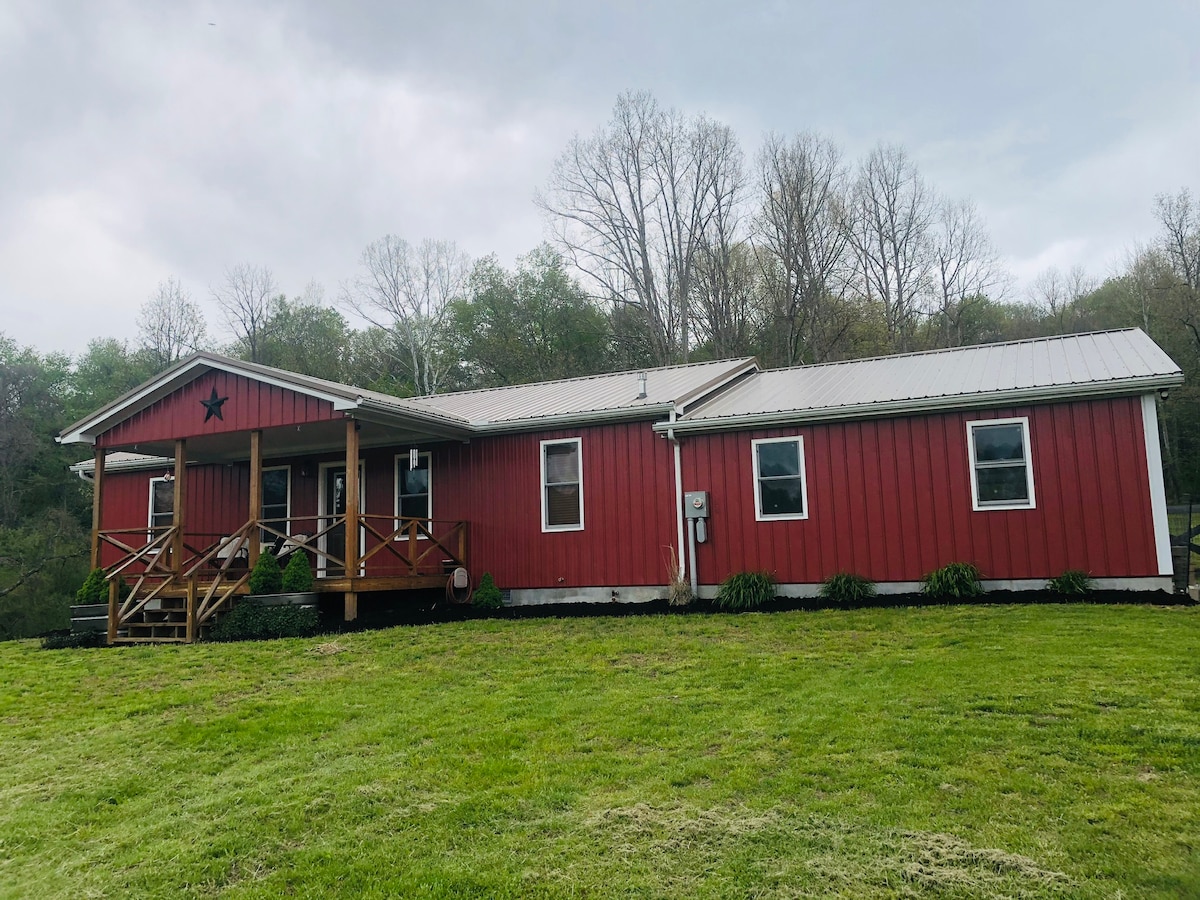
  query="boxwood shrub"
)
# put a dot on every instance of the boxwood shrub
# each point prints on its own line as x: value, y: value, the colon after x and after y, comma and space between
x: 251, y: 621
x: 487, y: 595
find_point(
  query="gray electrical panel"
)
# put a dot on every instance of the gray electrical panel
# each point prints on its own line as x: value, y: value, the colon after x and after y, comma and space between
x: 695, y: 504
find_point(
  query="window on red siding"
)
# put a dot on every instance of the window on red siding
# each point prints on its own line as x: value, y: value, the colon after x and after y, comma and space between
x: 1001, y: 470
x: 780, y: 490
x: 562, y: 485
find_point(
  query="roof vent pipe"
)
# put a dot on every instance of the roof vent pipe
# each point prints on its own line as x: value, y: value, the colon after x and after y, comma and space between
x: 641, y: 386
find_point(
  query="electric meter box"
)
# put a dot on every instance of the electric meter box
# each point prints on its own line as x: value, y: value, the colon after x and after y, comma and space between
x: 695, y: 504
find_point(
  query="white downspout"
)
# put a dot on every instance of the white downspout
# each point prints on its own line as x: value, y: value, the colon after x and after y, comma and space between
x: 681, y: 557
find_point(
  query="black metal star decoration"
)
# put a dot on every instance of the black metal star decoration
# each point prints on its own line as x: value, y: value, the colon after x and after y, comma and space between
x: 212, y: 406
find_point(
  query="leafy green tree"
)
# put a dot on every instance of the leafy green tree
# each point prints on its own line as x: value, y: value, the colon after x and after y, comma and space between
x: 104, y: 372
x: 305, y: 337
x: 42, y: 507
x: 532, y: 324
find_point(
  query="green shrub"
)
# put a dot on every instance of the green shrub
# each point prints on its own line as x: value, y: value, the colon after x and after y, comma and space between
x: 953, y: 582
x: 70, y: 641
x: 846, y: 588
x: 297, y: 574
x: 94, y: 589
x: 251, y: 621
x: 745, y: 590
x: 1071, y: 583
x: 266, y: 578
x: 487, y: 595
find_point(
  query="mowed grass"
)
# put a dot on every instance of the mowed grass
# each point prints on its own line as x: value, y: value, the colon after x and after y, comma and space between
x: 960, y: 751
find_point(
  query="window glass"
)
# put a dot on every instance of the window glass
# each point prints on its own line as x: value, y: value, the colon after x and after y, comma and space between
x: 412, y: 488
x: 562, y: 495
x: 162, y: 503
x: 275, y: 489
x: 779, y: 458
x: 779, y: 478
x: 999, y: 442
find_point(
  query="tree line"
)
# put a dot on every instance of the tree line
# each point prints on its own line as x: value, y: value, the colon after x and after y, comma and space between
x: 669, y: 247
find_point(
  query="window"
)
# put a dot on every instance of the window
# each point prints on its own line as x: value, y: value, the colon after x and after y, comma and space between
x: 162, y: 504
x: 276, y: 500
x: 562, y: 485
x: 414, y: 493
x: 1001, y: 469
x: 780, y: 491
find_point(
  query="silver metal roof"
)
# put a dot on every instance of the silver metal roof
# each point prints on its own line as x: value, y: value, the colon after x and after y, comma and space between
x: 608, y: 396
x: 1019, y: 371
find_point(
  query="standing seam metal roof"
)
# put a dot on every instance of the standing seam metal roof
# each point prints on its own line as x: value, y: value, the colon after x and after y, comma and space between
x: 1107, y: 361
x: 615, y: 392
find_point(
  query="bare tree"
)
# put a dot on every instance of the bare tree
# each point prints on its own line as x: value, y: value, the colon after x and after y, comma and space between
x: 1179, y: 217
x: 1057, y: 297
x: 967, y: 267
x: 635, y: 204
x: 893, y: 215
x: 406, y: 291
x: 726, y: 299
x: 803, y: 229
x: 170, y: 324
x: 245, y: 298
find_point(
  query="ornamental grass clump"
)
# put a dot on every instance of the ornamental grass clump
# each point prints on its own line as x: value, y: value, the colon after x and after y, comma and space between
x: 848, y: 589
x: 957, y: 581
x: 266, y: 577
x: 1071, y: 583
x: 745, y: 590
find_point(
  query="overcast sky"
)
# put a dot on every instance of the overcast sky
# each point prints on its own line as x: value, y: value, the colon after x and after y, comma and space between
x: 140, y: 141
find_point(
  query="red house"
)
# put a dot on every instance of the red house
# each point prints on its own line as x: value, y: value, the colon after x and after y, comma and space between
x: 1026, y: 458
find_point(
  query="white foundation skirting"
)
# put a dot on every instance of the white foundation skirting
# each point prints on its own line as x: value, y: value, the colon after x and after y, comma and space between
x: 645, y: 594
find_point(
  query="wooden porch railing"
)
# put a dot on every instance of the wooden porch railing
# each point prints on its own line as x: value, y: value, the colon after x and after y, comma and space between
x: 209, y: 572
x: 421, y: 546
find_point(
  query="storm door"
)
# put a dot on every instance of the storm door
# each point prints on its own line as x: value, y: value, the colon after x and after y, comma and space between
x: 332, y: 506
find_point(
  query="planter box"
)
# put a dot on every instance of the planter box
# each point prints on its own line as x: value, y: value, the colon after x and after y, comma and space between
x: 89, y: 617
x: 305, y: 600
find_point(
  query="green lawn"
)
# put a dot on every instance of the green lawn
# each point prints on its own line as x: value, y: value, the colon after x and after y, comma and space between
x: 942, y: 752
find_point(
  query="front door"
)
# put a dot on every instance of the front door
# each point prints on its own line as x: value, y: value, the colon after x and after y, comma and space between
x: 333, y: 505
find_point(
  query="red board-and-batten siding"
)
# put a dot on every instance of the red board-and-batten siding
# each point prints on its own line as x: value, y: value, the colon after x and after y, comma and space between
x: 891, y: 499
x: 251, y: 405
x: 494, y: 484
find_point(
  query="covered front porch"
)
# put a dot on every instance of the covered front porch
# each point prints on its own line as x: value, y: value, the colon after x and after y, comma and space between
x: 171, y: 580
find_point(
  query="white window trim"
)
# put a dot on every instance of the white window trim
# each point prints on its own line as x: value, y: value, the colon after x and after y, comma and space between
x: 150, y: 504
x: 287, y: 526
x: 578, y: 442
x: 1031, y: 503
x: 396, y: 493
x: 324, y: 517
x: 759, y: 515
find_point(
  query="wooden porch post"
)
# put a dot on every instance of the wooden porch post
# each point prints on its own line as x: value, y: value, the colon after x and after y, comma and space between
x: 180, y: 501
x: 114, y: 594
x: 97, y: 489
x: 191, y: 611
x: 352, y: 488
x: 255, y: 494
